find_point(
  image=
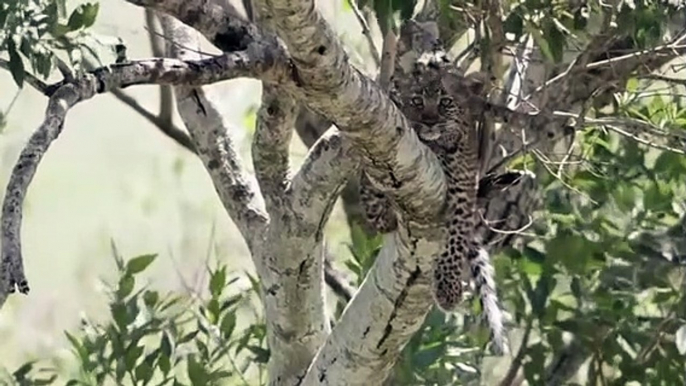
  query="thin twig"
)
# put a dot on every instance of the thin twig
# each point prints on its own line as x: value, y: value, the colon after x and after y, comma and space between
x: 643, y: 141
x: 156, y: 44
x: 606, y: 62
x: 518, y: 231
x: 366, y: 32
x: 336, y: 281
x: 168, y: 128
x: 390, y: 46
x: 516, y: 363
x: 28, y: 78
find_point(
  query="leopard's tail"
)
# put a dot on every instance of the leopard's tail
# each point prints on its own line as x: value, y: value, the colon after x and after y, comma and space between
x: 482, y: 274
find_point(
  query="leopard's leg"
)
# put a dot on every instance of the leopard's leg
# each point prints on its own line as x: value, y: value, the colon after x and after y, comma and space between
x: 377, y: 207
x: 448, y: 273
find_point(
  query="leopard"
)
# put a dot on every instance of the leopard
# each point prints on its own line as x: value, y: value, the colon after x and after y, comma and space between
x: 438, y: 102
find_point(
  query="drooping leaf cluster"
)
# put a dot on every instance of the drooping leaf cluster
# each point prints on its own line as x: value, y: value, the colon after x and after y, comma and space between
x: 154, y: 339
x: 35, y: 33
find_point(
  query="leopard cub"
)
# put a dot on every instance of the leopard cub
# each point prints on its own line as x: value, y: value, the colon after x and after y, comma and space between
x: 434, y: 99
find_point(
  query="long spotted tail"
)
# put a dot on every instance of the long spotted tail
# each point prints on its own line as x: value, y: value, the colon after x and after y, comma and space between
x: 482, y: 274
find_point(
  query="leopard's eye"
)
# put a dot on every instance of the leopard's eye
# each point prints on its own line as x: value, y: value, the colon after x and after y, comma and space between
x: 417, y: 102
x: 446, y: 102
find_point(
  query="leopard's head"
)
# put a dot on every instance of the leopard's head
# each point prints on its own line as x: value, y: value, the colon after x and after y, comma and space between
x: 434, y: 98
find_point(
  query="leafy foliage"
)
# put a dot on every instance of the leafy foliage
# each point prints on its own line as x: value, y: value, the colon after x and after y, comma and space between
x: 153, y: 339
x: 35, y: 33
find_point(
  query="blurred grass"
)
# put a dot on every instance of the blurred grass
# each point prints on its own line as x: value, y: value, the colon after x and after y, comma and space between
x: 112, y: 177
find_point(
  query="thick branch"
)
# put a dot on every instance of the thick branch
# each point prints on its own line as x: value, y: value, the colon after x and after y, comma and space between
x: 275, y: 122
x: 386, y: 311
x: 331, y: 87
x: 290, y: 262
x: 165, y: 125
x: 359, y: 108
x: 315, y: 187
x: 215, y: 145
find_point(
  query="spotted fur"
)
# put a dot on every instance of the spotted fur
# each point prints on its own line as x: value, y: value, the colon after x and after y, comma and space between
x: 433, y: 99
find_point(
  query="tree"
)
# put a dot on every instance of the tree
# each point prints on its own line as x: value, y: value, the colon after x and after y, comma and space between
x: 585, y: 104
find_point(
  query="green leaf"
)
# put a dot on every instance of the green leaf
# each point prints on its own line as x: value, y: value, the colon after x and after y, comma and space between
x: 514, y: 23
x: 556, y: 38
x: 540, y: 40
x: 16, y: 63
x: 165, y: 364
x: 250, y: 118
x: 188, y: 337
x: 119, y: 314
x: 143, y: 372
x: 164, y: 359
x: 681, y: 340
x: 126, y: 284
x: 228, y: 303
x: 228, y: 325
x: 261, y: 355
x: 575, y: 286
x: 572, y: 250
x: 150, y: 298
x: 21, y: 372
x: 131, y: 356
x: 41, y: 382
x: 140, y: 263
x: 406, y: 8
x: 203, y: 351
x: 78, y: 347
x: 428, y: 355
x: 540, y: 296
x: 83, y: 16
x: 166, y: 344
x: 217, y: 281
x: 196, y: 373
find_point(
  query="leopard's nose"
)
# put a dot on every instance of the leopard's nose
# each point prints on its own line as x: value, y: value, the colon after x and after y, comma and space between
x: 429, y: 119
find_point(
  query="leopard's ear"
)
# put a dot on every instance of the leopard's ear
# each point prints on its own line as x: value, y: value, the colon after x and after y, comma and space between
x: 476, y: 82
x: 458, y: 84
x: 452, y: 82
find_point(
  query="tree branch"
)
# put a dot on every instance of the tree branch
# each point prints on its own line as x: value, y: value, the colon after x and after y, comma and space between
x: 315, y: 187
x: 59, y: 104
x: 360, y: 109
x: 387, y: 310
x: 28, y: 78
x: 214, y: 142
x: 165, y: 125
x: 256, y: 61
x: 336, y: 281
x: 398, y: 297
x: 166, y: 94
x: 275, y: 122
